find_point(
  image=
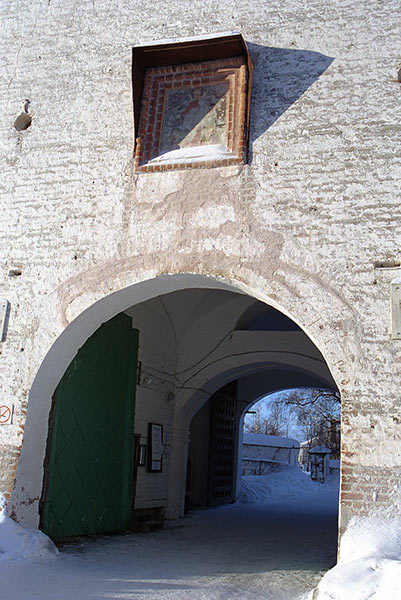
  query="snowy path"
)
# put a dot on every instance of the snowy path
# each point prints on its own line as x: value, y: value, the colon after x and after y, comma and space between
x: 237, y: 552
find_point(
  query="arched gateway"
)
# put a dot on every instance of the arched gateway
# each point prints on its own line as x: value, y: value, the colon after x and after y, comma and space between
x: 110, y: 410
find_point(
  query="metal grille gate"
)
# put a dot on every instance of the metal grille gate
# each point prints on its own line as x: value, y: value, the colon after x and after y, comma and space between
x: 222, y: 445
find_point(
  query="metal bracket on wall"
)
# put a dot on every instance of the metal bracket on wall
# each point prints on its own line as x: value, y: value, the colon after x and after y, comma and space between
x: 4, y: 313
x: 396, y: 310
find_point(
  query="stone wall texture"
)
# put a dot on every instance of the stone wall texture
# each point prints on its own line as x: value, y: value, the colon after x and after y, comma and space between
x: 301, y: 226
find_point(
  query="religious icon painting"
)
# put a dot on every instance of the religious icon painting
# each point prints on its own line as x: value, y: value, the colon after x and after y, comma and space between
x: 193, y: 115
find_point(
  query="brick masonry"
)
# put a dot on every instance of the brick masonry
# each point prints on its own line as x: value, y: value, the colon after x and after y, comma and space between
x: 301, y: 226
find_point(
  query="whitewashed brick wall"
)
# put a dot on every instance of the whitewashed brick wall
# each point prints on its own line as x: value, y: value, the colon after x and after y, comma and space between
x: 301, y: 227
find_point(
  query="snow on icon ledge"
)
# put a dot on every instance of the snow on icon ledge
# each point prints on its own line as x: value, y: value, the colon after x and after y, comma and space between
x: 194, y: 154
x: 194, y: 114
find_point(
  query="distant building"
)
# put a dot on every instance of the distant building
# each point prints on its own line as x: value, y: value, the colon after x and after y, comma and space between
x: 259, y: 451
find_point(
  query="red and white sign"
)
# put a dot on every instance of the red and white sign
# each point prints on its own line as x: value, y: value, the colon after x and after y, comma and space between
x: 6, y: 414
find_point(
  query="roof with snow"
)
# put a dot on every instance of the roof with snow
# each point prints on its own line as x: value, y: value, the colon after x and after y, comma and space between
x: 319, y: 450
x: 275, y: 441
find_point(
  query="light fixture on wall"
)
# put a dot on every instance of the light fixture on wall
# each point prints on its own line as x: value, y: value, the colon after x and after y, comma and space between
x: 169, y: 396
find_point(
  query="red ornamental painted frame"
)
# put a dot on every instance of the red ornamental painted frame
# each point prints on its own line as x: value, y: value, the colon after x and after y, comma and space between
x: 160, y: 81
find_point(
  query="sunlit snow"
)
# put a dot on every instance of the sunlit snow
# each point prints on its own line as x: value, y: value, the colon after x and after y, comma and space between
x: 274, y: 544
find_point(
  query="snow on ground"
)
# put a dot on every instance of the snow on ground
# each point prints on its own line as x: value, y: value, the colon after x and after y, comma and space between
x: 370, y: 562
x: 21, y: 543
x: 269, y: 551
x: 274, y: 544
x: 282, y: 484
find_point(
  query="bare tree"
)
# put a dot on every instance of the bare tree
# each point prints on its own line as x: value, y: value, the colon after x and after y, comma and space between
x: 318, y: 413
x: 272, y: 423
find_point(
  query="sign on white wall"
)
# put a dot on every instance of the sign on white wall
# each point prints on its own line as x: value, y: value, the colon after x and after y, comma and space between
x: 6, y: 413
x: 396, y: 309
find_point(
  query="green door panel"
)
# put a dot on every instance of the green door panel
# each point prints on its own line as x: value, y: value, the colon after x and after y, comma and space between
x: 88, y: 481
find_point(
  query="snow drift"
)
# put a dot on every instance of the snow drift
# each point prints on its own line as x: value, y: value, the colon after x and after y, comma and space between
x: 17, y: 542
x: 284, y: 483
x: 370, y: 563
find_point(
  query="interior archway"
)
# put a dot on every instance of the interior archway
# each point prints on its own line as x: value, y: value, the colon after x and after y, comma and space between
x: 250, y: 388
x: 191, y: 345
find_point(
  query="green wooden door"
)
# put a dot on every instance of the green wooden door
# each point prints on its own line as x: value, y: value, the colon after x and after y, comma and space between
x: 88, y: 481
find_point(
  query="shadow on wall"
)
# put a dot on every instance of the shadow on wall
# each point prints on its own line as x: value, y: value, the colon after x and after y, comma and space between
x: 281, y: 76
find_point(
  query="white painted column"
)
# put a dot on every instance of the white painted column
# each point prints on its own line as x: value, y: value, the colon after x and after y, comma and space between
x: 177, y: 475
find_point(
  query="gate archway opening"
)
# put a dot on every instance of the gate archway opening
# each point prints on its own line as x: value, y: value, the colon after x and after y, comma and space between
x: 215, y: 460
x: 310, y: 415
x: 261, y: 479
x: 196, y: 335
